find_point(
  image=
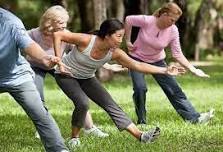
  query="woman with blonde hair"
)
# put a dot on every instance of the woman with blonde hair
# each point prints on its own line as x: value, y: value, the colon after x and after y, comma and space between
x: 55, y: 19
x: 156, y: 32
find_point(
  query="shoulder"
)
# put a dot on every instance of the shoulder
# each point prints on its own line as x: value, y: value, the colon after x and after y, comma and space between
x: 174, y: 29
x: 117, y: 53
x: 150, y: 19
x: 35, y: 32
x: 10, y: 19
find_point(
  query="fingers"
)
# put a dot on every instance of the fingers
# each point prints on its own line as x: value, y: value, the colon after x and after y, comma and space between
x: 174, y: 70
x: 64, y: 65
x: 200, y: 73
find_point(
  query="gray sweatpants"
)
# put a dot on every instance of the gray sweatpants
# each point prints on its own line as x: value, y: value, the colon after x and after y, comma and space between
x: 28, y: 97
x: 78, y: 90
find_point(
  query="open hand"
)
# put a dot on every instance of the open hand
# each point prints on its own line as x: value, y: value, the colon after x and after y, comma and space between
x: 174, y: 70
x: 200, y: 73
x: 115, y: 67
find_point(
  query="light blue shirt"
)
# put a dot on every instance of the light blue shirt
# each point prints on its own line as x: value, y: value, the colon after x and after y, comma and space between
x: 14, y: 69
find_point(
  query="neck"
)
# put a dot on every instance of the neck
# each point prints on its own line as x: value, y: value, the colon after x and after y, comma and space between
x: 101, y: 44
x: 159, y: 23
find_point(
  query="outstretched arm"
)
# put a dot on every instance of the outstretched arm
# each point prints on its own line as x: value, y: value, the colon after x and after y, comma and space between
x: 184, y: 62
x: 121, y: 57
x: 36, y: 52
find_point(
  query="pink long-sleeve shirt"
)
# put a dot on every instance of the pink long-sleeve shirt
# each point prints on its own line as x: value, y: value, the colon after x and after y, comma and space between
x: 151, y: 41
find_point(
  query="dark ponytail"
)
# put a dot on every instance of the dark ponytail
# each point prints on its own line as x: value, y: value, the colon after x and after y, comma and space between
x: 109, y: 27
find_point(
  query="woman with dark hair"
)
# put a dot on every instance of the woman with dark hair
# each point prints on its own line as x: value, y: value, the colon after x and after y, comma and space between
x: 78, y: 81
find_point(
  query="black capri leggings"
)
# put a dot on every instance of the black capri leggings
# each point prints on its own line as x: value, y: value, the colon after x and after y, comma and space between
x: 78, y: 90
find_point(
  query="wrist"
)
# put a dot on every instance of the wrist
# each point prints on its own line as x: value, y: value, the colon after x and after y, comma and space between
x: 192, y: 69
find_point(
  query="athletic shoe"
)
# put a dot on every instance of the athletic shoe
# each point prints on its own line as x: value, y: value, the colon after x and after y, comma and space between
x: 150, y: 136
x: 37, y: 135
x: 73, y: 143
x: 206, y: 117
x: 95, y: 131
x: 64, y: 151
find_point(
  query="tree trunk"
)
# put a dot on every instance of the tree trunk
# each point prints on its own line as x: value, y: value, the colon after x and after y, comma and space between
x: 99, y: 12
x: 115, y: 9
x: 86, y: 14
x: 134, y: 7
x: 205, y: 24
x: 59, y: 2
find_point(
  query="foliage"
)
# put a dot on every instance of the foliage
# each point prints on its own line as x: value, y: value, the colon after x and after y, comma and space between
x: 17, y: 131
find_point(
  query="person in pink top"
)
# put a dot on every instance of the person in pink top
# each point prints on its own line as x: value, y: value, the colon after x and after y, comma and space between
x: 55, y: 19
x: 157, y: 32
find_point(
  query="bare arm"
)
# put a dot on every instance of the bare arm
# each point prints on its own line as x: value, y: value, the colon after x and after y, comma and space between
x: 184, y: 62
x: 123, y: 59
x: 77, y: 39
x: 36, y: 52
x: 115, y: 67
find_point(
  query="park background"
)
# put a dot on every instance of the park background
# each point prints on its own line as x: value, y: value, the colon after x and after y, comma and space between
x: 201, y: 33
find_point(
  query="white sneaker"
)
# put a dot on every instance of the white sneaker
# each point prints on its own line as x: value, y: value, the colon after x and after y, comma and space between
x: 37, y: 136
x: 95, y: 131
x: 73, y: 143
x: 206, y: 117
x: 64, y: 151
x: 150, y: 136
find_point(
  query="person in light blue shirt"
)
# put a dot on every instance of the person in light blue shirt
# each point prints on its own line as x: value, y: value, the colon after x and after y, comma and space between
x: 16, y: 78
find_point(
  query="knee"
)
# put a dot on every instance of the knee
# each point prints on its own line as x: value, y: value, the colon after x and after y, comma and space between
x: 83, y: 106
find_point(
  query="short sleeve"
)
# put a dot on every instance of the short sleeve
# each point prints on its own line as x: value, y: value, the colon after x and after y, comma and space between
x: 21, y: 36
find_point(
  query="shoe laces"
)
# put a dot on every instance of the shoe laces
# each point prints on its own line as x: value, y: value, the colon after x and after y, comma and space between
x: 150, y: 135
x: 74, y: 142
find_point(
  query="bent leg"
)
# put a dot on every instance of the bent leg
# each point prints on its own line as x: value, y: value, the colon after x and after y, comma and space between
x: 72, y: 89
x: 139, y: 95
x: 176, y: 96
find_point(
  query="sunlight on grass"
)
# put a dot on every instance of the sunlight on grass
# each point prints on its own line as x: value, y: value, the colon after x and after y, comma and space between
x: 17, y: 131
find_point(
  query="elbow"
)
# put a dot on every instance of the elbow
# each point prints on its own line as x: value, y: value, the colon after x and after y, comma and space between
x: 127, y: 20
x: 56, y: 35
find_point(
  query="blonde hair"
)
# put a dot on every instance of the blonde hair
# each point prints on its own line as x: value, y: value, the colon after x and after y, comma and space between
x: 53, y: 14
x: 169, y: 8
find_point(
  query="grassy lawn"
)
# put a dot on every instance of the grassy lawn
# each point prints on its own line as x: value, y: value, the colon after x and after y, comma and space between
x: 17, y: 131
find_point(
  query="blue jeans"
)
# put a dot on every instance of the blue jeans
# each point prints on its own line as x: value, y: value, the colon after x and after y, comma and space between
x: 39, y: 79
x: 170, y: 87
x: 28, y: 98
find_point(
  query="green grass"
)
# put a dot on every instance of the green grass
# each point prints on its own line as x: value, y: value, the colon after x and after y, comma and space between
x: 17, y: 131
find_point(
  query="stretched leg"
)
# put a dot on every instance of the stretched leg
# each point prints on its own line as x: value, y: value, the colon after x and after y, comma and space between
x: 28, y: 97
x: 176, y: 96
x: 139, y: 95
x: 100, y: 96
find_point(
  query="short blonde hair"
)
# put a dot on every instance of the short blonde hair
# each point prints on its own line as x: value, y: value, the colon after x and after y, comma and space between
x: 169, y: 8
x: 53, y: 14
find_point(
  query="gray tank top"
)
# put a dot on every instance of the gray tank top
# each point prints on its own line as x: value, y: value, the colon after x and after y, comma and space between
x: 83, y: 66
